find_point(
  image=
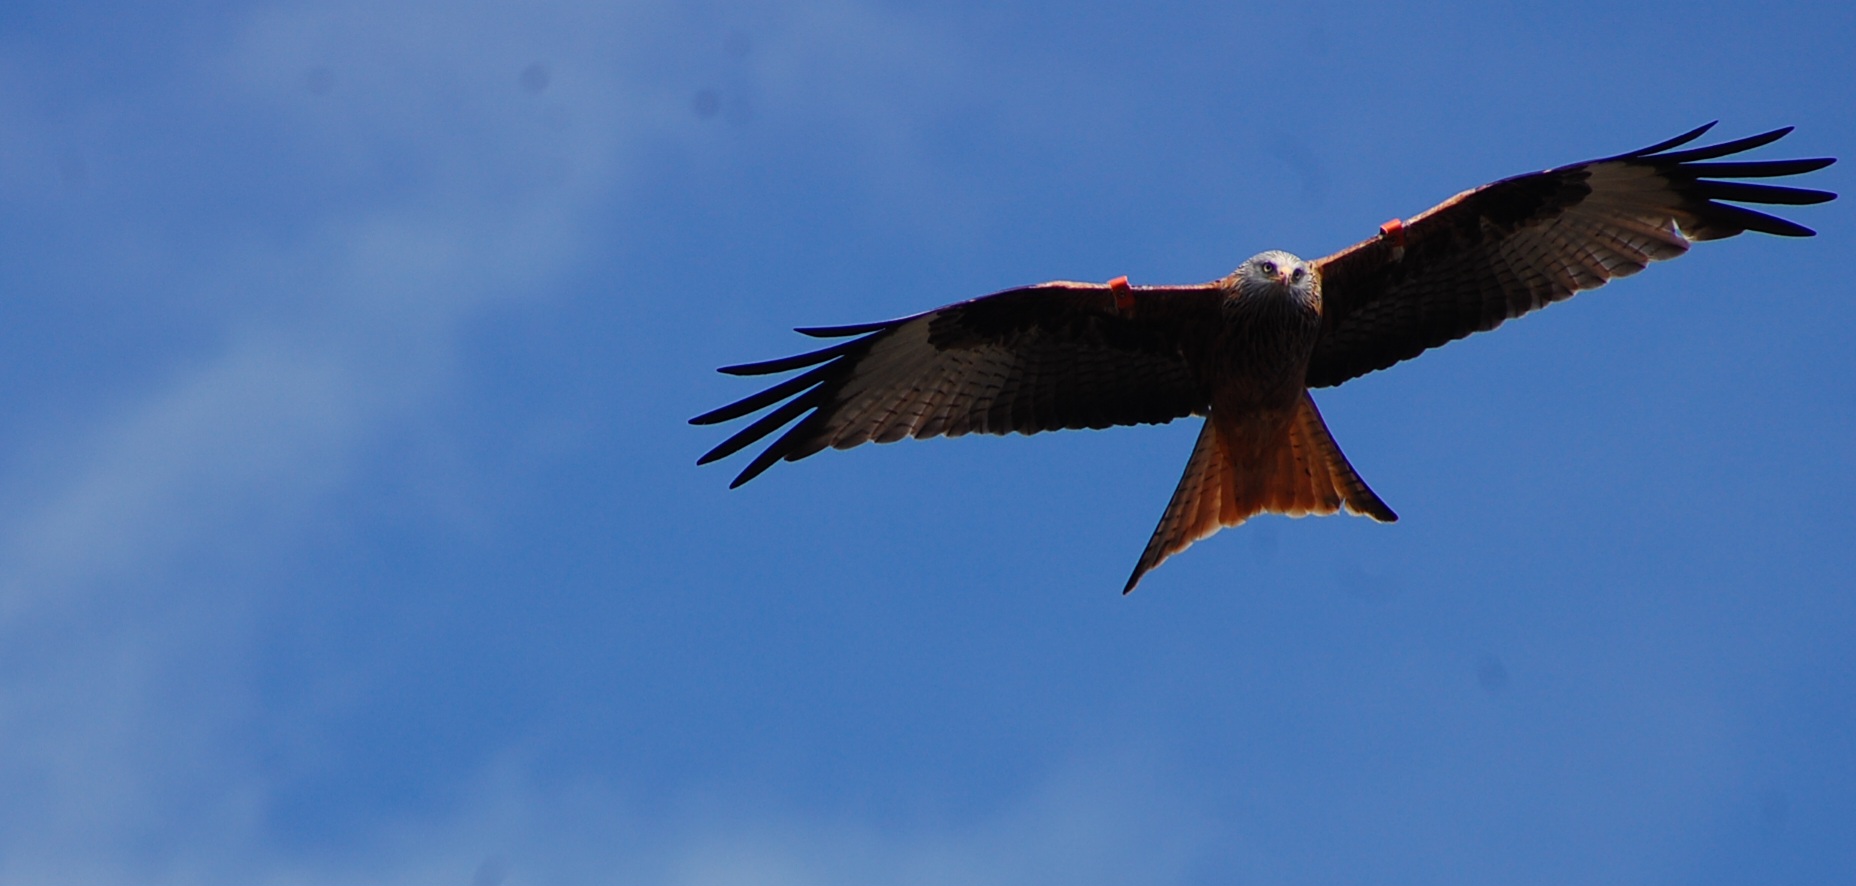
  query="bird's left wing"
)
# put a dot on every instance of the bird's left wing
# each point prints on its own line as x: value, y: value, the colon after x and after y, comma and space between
x: 1510, y: 247
x: 1040, y: 358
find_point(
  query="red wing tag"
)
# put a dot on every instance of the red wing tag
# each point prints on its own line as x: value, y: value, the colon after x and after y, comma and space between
x: 1394, y: 232
x: 1124, y: 296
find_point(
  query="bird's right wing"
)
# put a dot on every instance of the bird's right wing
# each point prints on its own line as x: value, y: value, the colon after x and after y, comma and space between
x: 1040, y: 358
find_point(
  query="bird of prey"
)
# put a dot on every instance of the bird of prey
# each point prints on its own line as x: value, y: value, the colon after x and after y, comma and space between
x: 1243, y: 351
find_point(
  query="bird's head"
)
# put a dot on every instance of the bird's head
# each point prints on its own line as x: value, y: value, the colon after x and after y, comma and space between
x: 1278, y: 274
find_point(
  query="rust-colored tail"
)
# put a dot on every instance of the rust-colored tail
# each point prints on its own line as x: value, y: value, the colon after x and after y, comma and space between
x: 1294, y: 468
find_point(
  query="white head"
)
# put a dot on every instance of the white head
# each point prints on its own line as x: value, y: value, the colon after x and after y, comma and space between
x: 1277, y: 273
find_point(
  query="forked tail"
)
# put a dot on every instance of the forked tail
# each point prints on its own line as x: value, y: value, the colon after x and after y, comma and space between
x: 1296, y: 469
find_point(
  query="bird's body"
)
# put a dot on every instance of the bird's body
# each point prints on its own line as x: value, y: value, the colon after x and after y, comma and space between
x: 1244, y: 350
x: 1264, y: 447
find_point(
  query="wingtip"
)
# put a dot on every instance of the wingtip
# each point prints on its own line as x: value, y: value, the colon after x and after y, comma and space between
x: 754, y: 469
x: 845, y: 330
x: 1678, y: 141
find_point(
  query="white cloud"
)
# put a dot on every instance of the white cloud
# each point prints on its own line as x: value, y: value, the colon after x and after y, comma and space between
x: 330, y: 337
x: 124, y: 697
x: 127, y: 687
x: 1098, y: 820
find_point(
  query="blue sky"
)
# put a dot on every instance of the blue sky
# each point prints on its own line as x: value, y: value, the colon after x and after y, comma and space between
x: 350, y: 531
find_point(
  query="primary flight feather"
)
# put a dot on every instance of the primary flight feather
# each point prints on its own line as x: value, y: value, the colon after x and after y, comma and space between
x: 1243, y: 351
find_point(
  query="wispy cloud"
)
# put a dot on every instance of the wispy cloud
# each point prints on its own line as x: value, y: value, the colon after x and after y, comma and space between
x: 129, y: 579
x: 1098, y: 820
x: 437, y: 177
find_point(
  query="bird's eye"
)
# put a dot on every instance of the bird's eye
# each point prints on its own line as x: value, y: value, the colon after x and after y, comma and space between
x: 1268, y: 267
x: 1299, y: 274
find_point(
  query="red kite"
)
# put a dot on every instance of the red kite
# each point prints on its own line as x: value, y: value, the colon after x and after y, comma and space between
x: 1243, y: 351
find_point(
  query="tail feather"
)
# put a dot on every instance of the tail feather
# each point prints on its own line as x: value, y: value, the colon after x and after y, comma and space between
x: 1206, y: 492
x: 1295, y: 469
x: 1343, y: 481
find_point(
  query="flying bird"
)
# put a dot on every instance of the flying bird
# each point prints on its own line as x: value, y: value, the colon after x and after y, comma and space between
x: 1244, y: 351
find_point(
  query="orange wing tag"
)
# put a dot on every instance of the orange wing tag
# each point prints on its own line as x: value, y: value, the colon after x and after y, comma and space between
x: 1394, y: 231
x: 1124, y: 296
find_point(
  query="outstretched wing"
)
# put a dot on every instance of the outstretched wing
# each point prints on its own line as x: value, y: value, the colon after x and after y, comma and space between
x: 1057, y: 355
x: 1510, y: 247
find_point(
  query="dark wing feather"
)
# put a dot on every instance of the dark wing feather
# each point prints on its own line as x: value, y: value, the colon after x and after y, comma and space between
x: 1510, y: 247
x: 1057, y: 355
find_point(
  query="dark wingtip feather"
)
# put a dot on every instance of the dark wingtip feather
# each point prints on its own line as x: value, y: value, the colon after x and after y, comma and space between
x: 1140, y: 571
x: 774, y: 451
x: 842, y: 331
x: 767, y: 424
x: 763, y: 399
x: 805, y: 389
x: 1756, y: 168
x: 1678, y: 141
x: 1744, y: 219
x: 716, y: 416
x: 783, y: 364
x: 1736, y: 146
x: 1744, y: 192
x: 755, y: 468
